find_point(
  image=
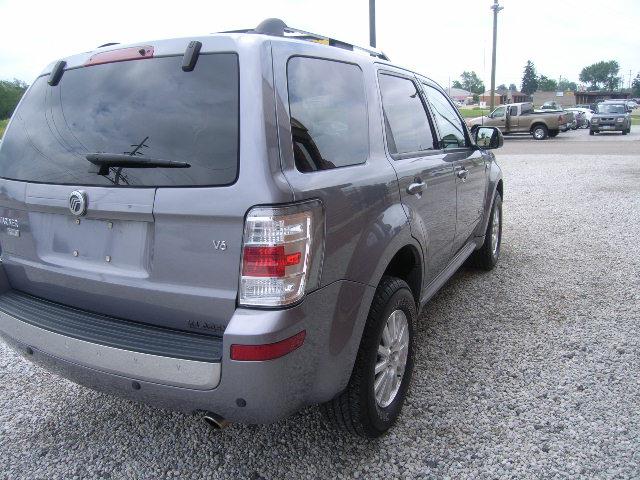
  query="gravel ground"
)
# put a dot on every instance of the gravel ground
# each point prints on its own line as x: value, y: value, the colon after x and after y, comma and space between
x: 530, y: 371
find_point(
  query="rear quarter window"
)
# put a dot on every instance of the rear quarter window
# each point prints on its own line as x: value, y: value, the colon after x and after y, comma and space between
x: 328, y: 111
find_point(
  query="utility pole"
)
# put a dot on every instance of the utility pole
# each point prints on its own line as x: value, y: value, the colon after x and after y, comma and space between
x: 372, y: 23
x: 496, y: 8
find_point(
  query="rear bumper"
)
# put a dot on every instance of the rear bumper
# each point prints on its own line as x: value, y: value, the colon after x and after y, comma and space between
x: 249, y: 392
x: 140, y: 366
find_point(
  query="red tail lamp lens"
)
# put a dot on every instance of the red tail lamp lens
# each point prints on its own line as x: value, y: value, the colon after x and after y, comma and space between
x: 269, y: 351
x: 268, y: 261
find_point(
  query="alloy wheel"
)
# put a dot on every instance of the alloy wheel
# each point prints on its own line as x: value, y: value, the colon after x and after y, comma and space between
x: 392, y: 358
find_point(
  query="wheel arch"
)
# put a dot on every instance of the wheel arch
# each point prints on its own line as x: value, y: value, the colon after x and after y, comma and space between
x: 495, y: 184
x: 406, y: 264
x: 538, y: 124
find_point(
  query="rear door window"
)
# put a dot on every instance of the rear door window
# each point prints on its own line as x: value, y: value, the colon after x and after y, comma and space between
x: 149, y: 108
x: 406, y: 122
x: 328, y: 110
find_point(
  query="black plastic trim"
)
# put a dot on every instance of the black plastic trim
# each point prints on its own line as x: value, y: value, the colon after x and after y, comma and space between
x: 56, y: 73
x: 110, y: 331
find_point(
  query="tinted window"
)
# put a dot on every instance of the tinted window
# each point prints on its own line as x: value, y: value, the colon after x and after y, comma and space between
x: 406, y: 121
x: 513, y: 111
x: 450, y: 126
x: 149, y: 108
x: 328, y: 114
x: 611, y: 108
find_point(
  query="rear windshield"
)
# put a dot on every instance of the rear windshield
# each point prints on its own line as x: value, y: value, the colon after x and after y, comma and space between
x: 149, y: 108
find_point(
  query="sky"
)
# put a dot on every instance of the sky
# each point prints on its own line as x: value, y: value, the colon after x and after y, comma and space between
x: 435, y: 38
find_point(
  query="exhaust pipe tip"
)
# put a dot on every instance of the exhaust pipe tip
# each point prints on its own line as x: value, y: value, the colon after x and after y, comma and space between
x: 215, y: 421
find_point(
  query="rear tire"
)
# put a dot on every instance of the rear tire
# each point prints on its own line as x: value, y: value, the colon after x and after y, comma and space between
x: 591, y: 132
x: 487, y: 256
x: 359, y: 409
x: 540, y: 132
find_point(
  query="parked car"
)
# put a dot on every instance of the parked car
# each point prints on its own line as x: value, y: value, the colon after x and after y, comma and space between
x: 587, y: 113
x: 282, y: 211
x: 551, y: 106
x: 522, y: 118
x: 611, y: 116
x: 582, y: 116
x: 580, y: 119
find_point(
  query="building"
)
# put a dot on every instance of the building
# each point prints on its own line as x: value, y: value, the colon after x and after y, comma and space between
x: 505, y: 96
x: 566, y: 99
x: 499, y: 98
x: 513, y: 96
x: 460, y: 95
x: 587, y: 98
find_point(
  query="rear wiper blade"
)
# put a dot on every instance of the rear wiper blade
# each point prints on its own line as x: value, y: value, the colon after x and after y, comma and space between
x: 105, y: 160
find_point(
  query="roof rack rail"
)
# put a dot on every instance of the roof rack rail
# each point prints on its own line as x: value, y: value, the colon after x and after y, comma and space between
x: 276, y: 27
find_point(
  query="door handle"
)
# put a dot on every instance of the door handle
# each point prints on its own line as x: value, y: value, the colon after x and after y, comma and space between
x: 462, y: 174
x: 416, y: 187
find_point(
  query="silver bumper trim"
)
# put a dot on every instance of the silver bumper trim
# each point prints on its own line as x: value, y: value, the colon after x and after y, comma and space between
x: 135, y: 365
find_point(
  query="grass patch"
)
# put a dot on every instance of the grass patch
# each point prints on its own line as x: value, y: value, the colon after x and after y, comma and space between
x: 473, y: 112
x: 3, y: 125
x: 635, y: 119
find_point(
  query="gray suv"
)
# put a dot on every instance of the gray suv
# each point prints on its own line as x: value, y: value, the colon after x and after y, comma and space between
x: 611, y: 116
x: 240, y: 224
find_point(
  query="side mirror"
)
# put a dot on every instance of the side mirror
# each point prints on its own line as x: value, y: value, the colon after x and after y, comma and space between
x: 488, y: 137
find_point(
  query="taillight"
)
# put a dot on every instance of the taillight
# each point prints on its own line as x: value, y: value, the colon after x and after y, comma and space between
x: 281, y: 254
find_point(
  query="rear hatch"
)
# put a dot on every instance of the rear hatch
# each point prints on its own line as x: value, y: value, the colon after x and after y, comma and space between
x: 155, y: 245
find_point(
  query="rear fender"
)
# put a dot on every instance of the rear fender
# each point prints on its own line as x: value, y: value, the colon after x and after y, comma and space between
x: 495, y: 176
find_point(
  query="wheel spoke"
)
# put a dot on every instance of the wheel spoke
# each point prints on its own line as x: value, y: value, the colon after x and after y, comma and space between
x: 378, y: 383
x: 388, y: 384
x: 381, y: 365
x: 401, y: 335
x: 386, y: 337
x: 383, y: 351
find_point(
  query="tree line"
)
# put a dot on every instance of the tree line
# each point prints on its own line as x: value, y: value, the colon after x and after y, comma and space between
x: 10, y: 94
x: 601, y: 75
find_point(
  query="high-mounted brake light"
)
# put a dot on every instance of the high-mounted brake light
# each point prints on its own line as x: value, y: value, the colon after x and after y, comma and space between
x: 282, y: 254
x: 121, y: 55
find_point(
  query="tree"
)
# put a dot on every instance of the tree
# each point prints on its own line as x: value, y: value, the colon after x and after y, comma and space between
x: 501, y: 88
x: 601, y: 75
x: 564, y: 85
x: 471, y: 82
x: 635, y: 86
x: 547, y: 84
x: 10, y: 95
x: 513, y: 87
x: 529, y: 79
x: 457, y: 84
